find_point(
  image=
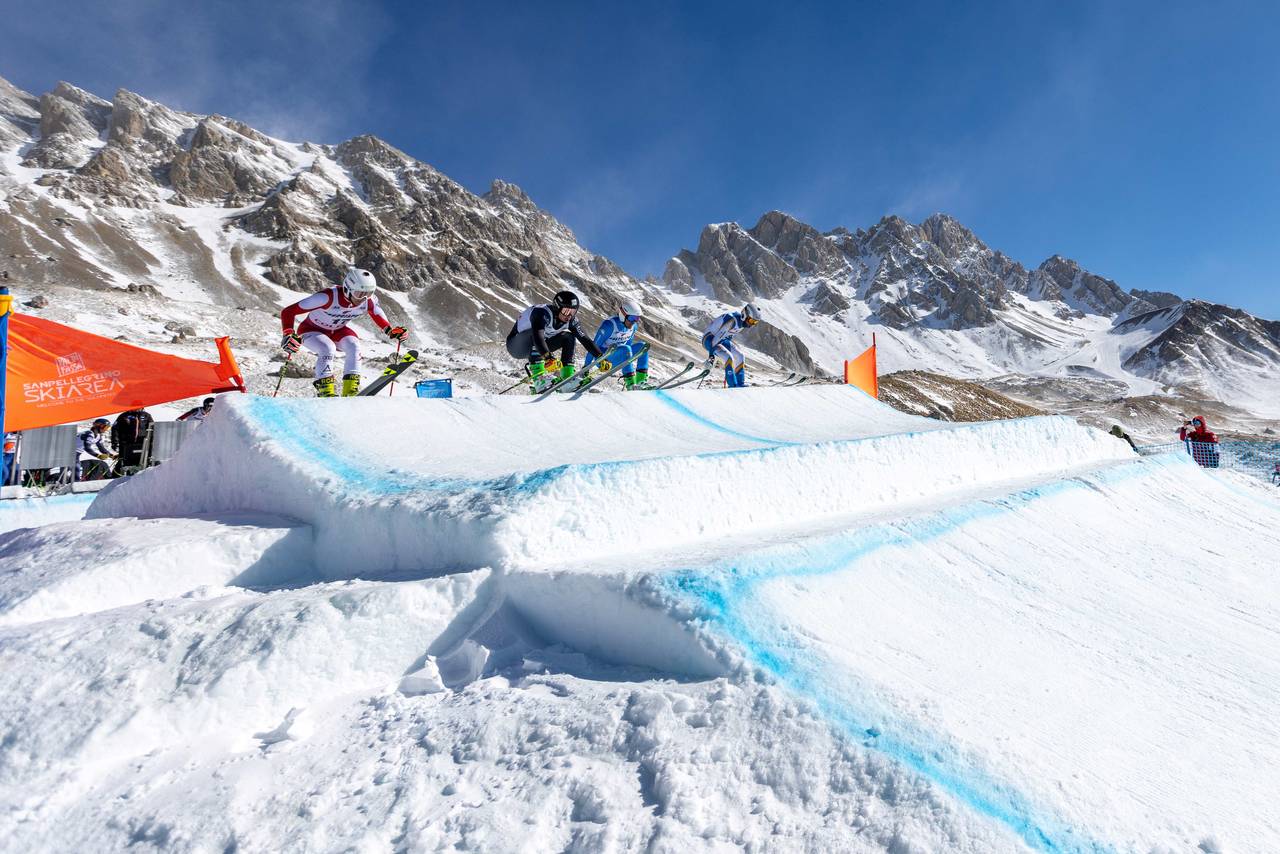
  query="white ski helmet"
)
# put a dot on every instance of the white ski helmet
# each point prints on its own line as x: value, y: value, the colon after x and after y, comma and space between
x: 359, y: 283
x: 751, y: 314
x: 629, y: 308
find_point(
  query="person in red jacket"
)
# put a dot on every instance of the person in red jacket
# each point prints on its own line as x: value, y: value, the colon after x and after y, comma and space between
x: 1201, y: 441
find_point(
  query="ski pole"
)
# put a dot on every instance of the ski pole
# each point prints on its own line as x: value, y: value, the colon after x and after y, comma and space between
x: 280, y: 379
x: 392, y: 391
x: 516, y: 384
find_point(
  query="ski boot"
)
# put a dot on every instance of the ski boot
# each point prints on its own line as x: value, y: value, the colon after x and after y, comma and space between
x: 638, y: 382
x: 325, y: 387
x: 350, y: 385
x: 539, y: 379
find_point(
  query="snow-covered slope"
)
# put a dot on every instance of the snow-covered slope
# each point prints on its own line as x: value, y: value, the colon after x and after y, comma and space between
x: 777, y: 619
x: 486, y: 495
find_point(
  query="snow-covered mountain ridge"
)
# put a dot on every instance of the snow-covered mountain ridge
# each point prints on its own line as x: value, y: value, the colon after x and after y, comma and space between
x: 139, y: 221
x: 942, y: 300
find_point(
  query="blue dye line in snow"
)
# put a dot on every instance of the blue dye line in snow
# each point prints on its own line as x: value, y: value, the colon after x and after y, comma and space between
x: 707, y: 422
x: 300, y: 438
x: 45, y: 500
x: 725, y: 593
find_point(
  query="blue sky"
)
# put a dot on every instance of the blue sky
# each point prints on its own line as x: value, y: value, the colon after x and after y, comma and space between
x: 1141, y: 139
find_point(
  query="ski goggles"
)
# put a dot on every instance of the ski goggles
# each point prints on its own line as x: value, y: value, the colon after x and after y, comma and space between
x: 632, y: 319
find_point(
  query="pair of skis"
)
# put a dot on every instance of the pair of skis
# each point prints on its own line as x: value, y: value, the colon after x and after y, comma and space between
x: 390, y: 374
x: 580, y: 377
x: 676, y: 381
x: 792, y: 379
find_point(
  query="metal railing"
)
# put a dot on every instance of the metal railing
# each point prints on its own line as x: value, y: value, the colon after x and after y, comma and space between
x: 1260, y: 459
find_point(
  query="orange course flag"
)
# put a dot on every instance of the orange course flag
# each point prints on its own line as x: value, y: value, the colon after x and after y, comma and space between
x: 58, y: 375
x: 861, y: 372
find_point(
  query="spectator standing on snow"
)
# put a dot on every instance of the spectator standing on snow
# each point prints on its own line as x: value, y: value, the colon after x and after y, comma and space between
x: 129, y: 434
x: 198, y: 413
x: 10, y: 454
x: 1118, y: 432
x: 95, y: 453
x: 1201, y: 442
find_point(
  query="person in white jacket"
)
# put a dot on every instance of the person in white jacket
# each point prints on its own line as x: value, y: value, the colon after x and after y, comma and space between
x: 95, y: 452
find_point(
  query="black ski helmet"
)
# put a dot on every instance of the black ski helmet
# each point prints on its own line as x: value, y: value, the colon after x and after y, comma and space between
x: 565, y: 299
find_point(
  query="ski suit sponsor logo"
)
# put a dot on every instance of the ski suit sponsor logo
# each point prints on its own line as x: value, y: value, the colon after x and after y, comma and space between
x: 69, y: 364
x: 332, y: 316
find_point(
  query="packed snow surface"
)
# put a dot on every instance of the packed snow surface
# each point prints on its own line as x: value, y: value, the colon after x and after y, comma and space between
x: 767, y: 619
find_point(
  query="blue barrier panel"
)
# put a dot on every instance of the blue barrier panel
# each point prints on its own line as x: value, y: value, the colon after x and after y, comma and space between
x: 434, y: 388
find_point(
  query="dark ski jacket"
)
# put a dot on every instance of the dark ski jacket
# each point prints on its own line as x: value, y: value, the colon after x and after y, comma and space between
x: 542, y: 321
x: 130, y: 428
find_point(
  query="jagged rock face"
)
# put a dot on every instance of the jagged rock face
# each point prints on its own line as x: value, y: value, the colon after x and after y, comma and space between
x: 737, y: 267
x: 916, y: 282
x: 937, y: 274
x: 1207, y: 335
x: 954, y: 283
x: 71, y: 124
x: 787, y: 350
x: 225, y: 159
x: 1156, y: 299
x: 800, y: 245
x: 1064, y: 279
x: 19, y: 113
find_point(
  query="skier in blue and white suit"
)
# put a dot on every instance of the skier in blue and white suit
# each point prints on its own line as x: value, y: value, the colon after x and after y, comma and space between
x: 718, y: 341
x: 616, y: 340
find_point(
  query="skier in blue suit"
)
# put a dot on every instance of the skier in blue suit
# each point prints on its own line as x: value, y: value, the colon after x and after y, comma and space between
x: 616, y: 340
x: 718, y: 341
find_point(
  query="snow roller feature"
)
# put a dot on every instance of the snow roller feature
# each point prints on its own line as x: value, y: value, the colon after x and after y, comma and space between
x: 431, y: 486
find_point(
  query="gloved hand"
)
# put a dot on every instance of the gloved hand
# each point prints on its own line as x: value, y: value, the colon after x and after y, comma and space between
x: 291, y: 341
x: 553, y: 365
x: 396, y: 333
x: 711, y: 362
x: 104, y: 456
x: 603, y: 366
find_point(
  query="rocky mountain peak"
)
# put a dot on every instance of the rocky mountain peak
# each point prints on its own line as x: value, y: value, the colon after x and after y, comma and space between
x: 502, y: 192
x: 1064, y: 279
x: 952, y: 238
x: 368, y: 148
x: 800, y: 244
x: 139, y: 122
x: 1159, y: 299
x: 19, y: 112
x: 72, y: 123
x: 226, y: 161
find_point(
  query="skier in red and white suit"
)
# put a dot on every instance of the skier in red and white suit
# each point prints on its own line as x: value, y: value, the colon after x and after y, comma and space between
x: 325, y: 329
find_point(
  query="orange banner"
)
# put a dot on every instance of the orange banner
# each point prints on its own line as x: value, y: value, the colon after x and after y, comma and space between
x: 59, y: 375
x: 861, y: 372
